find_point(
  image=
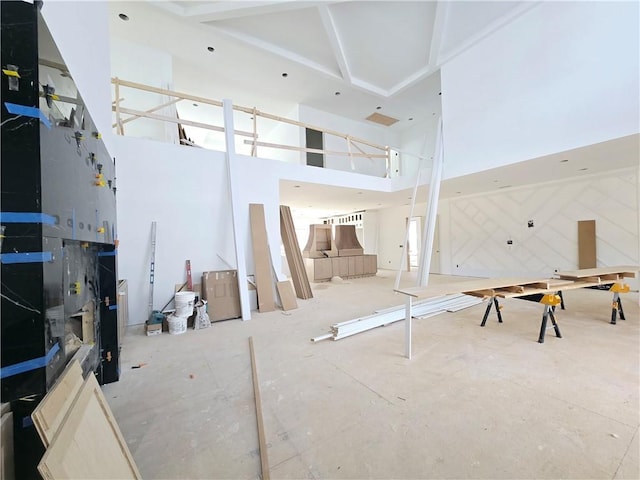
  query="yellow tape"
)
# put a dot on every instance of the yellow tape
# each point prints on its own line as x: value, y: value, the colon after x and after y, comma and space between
x: 11, y: 73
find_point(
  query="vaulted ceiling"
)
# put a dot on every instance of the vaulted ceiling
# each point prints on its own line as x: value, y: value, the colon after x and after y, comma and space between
x: 350, y: 58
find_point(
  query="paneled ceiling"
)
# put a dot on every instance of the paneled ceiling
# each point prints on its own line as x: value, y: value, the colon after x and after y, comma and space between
x: 348, y: 58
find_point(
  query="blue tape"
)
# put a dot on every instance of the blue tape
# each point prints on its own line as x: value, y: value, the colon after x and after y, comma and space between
x: 26, y: 257
x: 33, y: 112
x: 29, y: 365
x: 108, y: 254
x: 113, y: 307
x: 20, y: 217
x: 27, y: 422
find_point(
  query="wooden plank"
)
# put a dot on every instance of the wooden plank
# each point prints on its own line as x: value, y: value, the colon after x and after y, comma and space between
x: 287, y: 296
x: 293, y: 254
x: 88, y: 443
x: 264, y: 460
x: 7, y: 465
x: 467, y: 286
x: 587, y: 244
x: 623, y: 270
x: 51, y: 411
x: 261, y: 258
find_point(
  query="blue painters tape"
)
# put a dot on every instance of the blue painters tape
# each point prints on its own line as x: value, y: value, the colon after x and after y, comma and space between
x: 33, y: 112
x: 113, y: 307
x: 29, y: 365
x: 20, y: 217
x: 27, y: 422
x: 26, y: 257
x: 108, y: 254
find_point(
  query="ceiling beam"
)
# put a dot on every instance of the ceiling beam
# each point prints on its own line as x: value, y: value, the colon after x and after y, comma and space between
x: 518, y: 10
x: 437, y: 33
x: 276, y: 50
x: 226, y: 10
x: 334, y: 41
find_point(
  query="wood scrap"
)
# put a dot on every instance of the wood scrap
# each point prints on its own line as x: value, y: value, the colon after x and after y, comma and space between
x: 88, y: 443
x: 287, y: 297
x: 264, y: 460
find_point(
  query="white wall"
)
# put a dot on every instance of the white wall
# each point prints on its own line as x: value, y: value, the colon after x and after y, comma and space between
x: 419, y: 140
x: 561, y: 76
x: 185, y: 191
x: 476, y: 228
x: 81, y: 32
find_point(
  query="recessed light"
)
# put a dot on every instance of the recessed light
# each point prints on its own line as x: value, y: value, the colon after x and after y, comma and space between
x: 410, y: 119
x: 359, y: 193
x: 123, y: 17
x: 583, y: 169
x: 337, y: 93
x: 378, y: 107
x: 564, y: 161
x: 439, y: 93
x: 495, y: 181
x: 296, y: 186
x: 285, y: 75
x: 195, y: 104
x: 458, y: 192
x: 505, y: 186
x: 211, y: 49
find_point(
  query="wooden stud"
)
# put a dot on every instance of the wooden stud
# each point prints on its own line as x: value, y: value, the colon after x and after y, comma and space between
x: 264, y: 460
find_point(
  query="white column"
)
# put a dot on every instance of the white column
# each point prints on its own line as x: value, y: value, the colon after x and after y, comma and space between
x: 407, y: 328
x: 432, y: 211
x: 232, y: 179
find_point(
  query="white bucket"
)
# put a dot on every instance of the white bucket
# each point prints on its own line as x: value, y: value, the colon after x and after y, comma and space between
x: 177, y: 325
x: 184, y: 304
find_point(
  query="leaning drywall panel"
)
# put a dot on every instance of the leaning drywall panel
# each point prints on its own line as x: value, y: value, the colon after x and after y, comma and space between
x: 531, y: 88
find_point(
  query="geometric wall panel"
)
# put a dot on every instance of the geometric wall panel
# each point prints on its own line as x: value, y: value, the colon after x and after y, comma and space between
x: 482, y: 226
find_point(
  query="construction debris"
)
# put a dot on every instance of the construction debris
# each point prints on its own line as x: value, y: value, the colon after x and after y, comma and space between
x: 424, y: 309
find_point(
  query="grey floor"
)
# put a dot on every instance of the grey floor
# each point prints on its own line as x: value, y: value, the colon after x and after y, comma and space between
x: 472, y: 403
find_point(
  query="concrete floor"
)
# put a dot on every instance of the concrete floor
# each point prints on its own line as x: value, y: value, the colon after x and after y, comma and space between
x: 472, y: 403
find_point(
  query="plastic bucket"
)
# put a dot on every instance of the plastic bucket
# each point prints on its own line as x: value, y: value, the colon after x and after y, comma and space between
x: 184, y: 304
x: 177, y: 325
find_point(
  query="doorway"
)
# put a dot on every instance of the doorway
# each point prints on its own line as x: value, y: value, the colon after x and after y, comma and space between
x: 414, y: 245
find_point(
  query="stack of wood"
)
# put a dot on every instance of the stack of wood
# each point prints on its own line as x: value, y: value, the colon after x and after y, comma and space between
x: 294, y: 256
x: 264, y: 270
x: 81, y: 435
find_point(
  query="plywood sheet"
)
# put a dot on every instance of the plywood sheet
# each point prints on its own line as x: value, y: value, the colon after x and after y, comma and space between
x: 89, y: 443
x: 587, y: 244
x: 287, y: 297
x: 51, y: 411
x: 7, y: 465
x: 623, y: 271
x: 261, y: 258
x: 467, y: 286
x: 293, y: 254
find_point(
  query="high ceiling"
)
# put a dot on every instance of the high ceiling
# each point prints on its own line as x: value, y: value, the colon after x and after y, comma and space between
x: 383, y: 54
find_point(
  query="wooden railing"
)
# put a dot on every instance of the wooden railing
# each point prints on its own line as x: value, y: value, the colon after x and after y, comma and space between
x: 354, y: 145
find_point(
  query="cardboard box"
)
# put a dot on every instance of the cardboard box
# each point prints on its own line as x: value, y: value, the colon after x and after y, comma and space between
x: 220, y: 290
x: 153, y: 329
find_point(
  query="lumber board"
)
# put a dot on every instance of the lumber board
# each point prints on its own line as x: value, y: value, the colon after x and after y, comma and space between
x: 587, y: 244
x: 624, y: 271
x: 264, y: 459
x: 467, y: 286
x: 88, y: 443
x: 261, y: 258
x: 51, y: 411
x: 293, y: 254
x: 287, y: 297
